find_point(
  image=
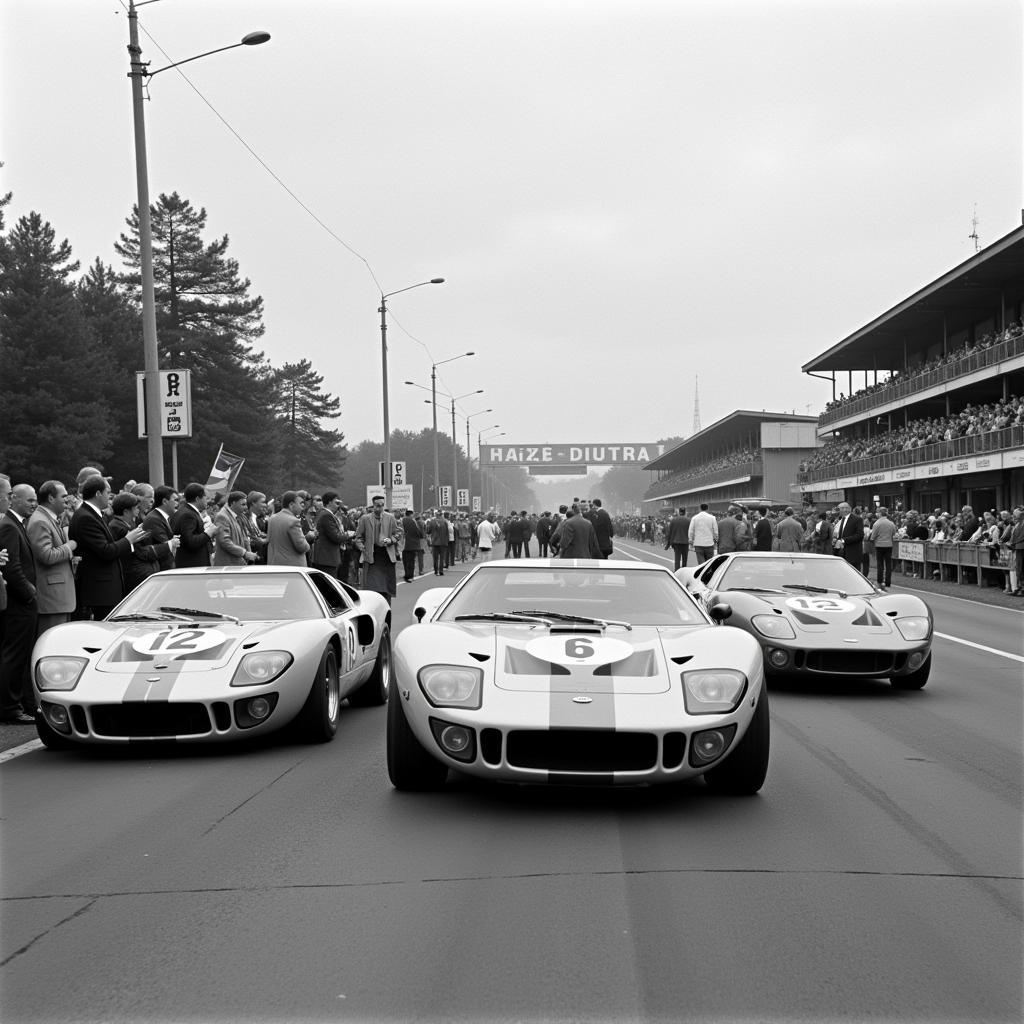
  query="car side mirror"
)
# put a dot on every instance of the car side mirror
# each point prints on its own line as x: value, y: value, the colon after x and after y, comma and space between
x: 419, y: 613
x: 720, y: 612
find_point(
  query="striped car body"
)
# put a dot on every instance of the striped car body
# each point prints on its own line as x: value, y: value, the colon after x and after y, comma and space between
x: 851, y: 630
x: 171, y: 679
x: 571, y: 703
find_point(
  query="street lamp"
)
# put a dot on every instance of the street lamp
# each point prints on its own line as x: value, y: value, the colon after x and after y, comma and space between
x: 469, y: 456
x: 479, y: 438
x: 384, y: 369
x: 455, y: 449
x: 151, y: 354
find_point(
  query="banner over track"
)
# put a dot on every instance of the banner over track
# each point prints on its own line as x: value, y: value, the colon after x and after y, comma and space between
x: 528, y: 456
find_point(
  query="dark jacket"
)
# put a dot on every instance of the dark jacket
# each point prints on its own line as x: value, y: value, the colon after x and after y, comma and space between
x: 603, y: 528
x: 100, y: 576
x: 20, y: 571
x: 195, y: 544
x: 159, y: 531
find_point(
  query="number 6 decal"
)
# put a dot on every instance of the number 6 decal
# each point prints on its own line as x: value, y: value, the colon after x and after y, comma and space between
x: 579, y: 647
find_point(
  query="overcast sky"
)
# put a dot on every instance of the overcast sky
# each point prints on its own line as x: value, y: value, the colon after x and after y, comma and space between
x: 622, y: 196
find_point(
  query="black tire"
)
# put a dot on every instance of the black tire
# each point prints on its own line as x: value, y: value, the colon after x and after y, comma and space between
x: 51, y: 739
x: 374, y: 691
x: 410, y: 767
x: 317, y: 722
x: 743, y: 771
x: 913, y: 680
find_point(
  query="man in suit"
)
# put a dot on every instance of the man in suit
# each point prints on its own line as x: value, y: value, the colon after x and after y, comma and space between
x: 286, y: 541
x: 762, y: 530
x: 413, y: 544
x: 231, y: 542
x: 55, y: 578
x: 195, y: 533
x: 157, y: 524
x: 603, y: 527
x: 253, y: 521
x: 544, y: 527
x: 17, y: 700
x: 327, y: 545
x: 677, y: 537
x: 576, y: 538
x: 437, y: 535
x: 849, y: 535
x: 100, y: 576
x: 377, y: 537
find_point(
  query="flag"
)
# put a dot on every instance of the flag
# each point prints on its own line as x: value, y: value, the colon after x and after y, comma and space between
x: 226, y: 468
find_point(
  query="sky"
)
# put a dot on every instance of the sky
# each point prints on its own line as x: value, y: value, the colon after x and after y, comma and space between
x: 628, y: 200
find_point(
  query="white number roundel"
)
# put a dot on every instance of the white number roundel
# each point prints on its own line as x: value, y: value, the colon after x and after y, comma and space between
x: 828, y: 605
x: 585, y: 649
x: 176, y: 643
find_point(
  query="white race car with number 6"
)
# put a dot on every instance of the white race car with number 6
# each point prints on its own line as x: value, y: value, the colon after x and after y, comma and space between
x: 572, y: 671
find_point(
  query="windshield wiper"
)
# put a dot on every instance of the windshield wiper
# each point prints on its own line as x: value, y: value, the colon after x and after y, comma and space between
x: 564, y: 617
x: 752, y: 590
x: 200, y: 611
x: 814, y: 590
x: 500, y: 617
x: 143, y: 617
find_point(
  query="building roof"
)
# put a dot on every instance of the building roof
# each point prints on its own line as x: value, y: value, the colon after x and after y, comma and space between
x: 722, y: 432
x: 979, y: 280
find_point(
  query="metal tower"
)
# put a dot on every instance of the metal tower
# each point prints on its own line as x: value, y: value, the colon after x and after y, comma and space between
x: 696, y: 406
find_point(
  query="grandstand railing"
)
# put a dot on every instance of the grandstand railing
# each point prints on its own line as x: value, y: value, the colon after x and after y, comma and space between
x: 973, y: 444
x: 976, y: 359
x: 672, y: 484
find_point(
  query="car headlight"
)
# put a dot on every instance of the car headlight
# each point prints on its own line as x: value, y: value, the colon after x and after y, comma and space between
x: 713, y: 691
x: 452, y: 686
x: 775, y: 626
x: 914, y: 627
x: 59, y: 673
x: 259, y: 667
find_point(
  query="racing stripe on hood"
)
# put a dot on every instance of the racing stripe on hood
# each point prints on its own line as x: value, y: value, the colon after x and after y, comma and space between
x: 565, y: 713
x: 142, y: 686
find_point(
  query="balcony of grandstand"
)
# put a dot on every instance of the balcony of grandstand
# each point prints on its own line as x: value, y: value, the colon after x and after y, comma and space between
x: 744, y: 455
x: 945, y: 428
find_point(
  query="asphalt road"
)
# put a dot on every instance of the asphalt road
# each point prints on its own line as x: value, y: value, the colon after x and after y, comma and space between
x: 876, y: 877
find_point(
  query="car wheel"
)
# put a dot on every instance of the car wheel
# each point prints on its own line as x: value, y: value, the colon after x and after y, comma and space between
x: 318, y: 720
x: 51, y: 739
x: 375, y: 690
x: 410, y: 767
x: 913, y: 680
x: 743, y: 772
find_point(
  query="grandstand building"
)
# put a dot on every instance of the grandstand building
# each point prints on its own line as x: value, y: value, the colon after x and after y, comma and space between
x: 939, y: 420
x: 745, y: 455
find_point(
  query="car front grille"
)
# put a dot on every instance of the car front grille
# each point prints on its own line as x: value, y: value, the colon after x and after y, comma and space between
x: 152, y: 719
x: 850, y: 663
x: 582, y: 750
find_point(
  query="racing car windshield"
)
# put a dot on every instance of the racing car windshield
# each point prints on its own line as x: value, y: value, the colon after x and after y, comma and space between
x: 619, y: 595
x: 793, y: 572
x: 255, y: 597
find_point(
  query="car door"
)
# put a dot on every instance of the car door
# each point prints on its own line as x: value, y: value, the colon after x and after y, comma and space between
x: 343, y: 615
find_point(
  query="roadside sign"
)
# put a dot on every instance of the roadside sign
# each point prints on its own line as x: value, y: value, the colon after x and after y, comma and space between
x: 175, y: 403
x: 463, y: 497
x: 397, y: 474
x: 444, y: 496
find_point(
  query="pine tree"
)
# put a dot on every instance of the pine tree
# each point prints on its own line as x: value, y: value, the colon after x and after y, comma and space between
x: 55, y: 413
x: 117, y: 327
x: 313, y: 455
x: 207, y: 322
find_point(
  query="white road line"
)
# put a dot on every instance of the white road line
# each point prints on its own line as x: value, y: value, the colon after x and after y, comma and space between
x: 981, y: 647
x: 949, y: 597
x: 25, y: 748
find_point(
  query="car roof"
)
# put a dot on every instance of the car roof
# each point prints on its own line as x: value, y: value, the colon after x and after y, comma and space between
x: 202, y: 570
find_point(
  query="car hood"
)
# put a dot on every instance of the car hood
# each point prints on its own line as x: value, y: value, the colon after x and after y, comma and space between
x: 534, y: 658
x: 819, y: 613
x: 189, y: 647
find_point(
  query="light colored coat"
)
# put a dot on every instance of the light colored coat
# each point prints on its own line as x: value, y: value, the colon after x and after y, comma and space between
x: 389, y: 527
x: 703, y: 530
x: 55, y: 581
x: 286, y: 544
x: 230, y: 543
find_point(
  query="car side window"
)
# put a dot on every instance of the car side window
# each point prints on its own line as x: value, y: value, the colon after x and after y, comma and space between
x: 331, y: 592
x: 713, y: 567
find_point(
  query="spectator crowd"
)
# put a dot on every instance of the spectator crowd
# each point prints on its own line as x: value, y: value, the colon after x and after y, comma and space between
x: 897, y: 377
x: 75, y: 551
x: 972, y: 420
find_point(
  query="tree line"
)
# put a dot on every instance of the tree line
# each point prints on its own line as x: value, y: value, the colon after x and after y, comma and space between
x: 71, y: 344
